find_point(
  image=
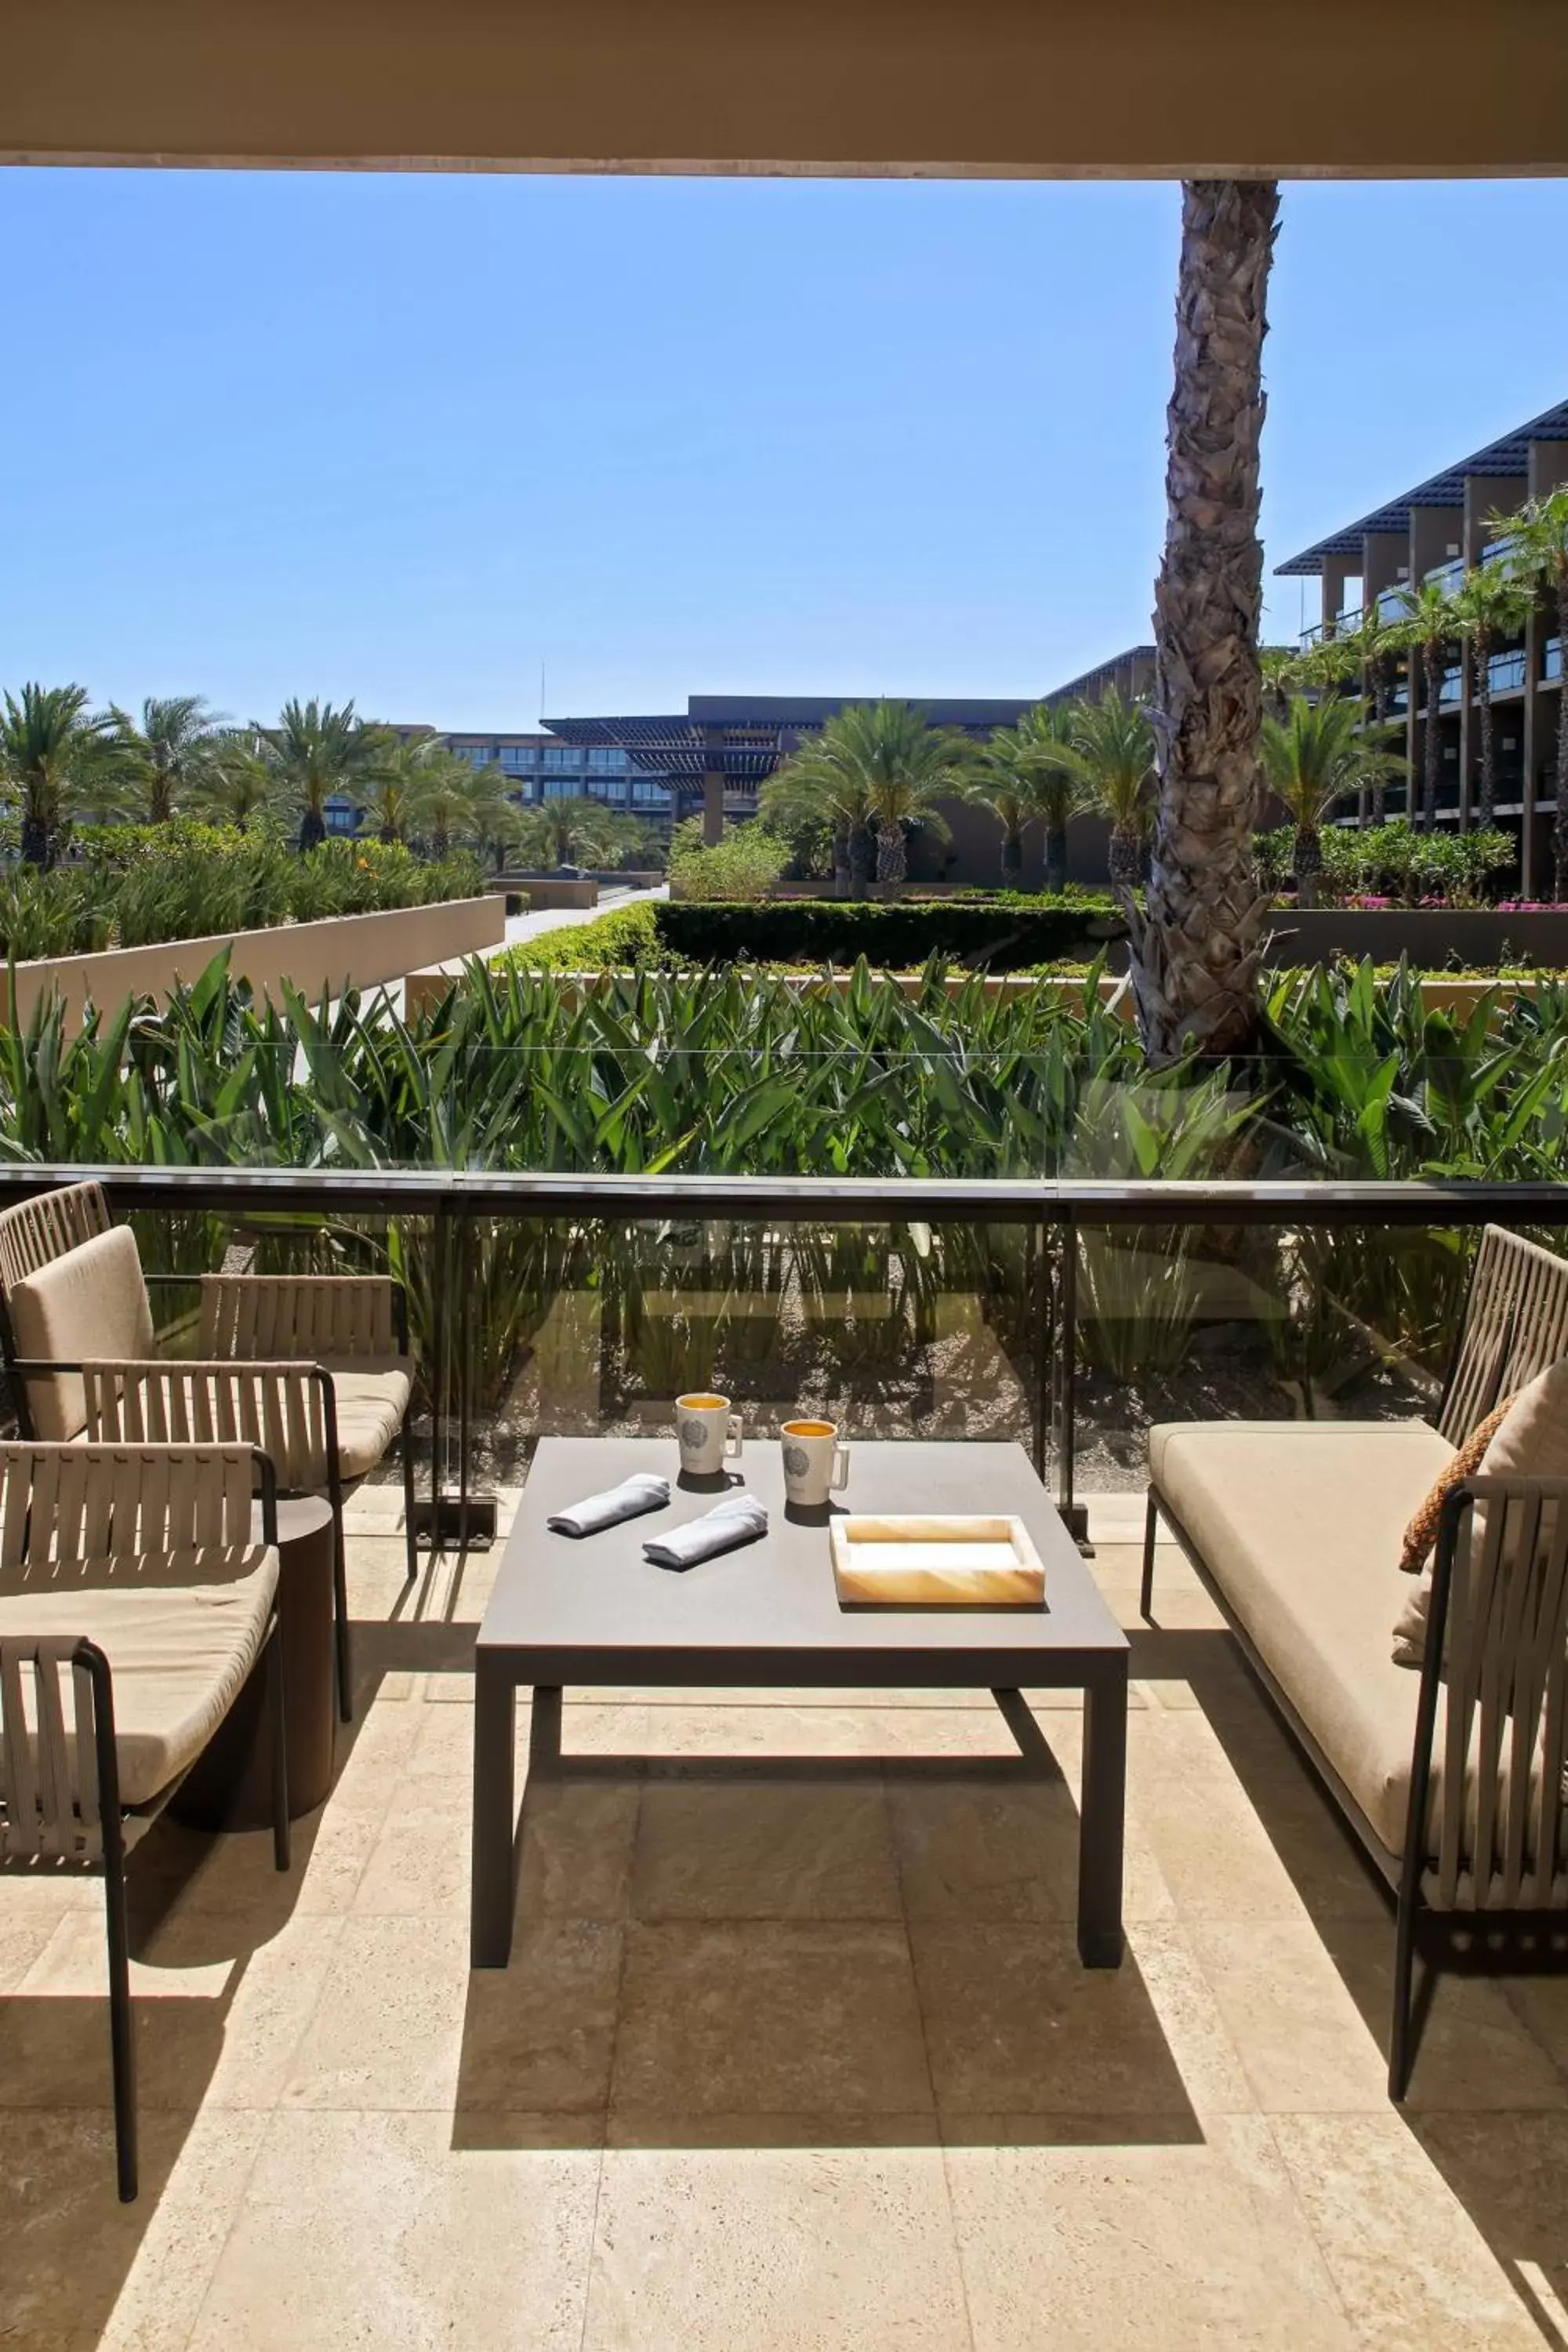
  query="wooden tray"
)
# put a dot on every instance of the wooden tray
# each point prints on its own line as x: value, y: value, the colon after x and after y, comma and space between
x: 905, y: 1562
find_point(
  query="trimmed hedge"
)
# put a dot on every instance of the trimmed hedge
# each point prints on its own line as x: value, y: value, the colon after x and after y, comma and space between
x: 1004, y: 934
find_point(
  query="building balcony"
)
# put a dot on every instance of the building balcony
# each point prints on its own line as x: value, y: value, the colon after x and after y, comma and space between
x: 794, y: 1970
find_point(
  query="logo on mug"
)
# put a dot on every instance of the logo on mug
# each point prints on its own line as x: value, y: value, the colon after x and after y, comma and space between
x: 796, y: 1461
x: 694, y: 1433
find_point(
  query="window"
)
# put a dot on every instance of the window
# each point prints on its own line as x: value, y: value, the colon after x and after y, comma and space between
x: 517, y: 758
x: 609, y: 756
x: 561, y: 755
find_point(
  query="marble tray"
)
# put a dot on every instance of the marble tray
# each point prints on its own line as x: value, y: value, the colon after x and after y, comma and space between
x: 906, y: 1562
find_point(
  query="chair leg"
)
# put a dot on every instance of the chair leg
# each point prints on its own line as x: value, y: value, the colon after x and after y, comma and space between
x: 1400, y: 2053
x: 408, y: 1498
x: 340, y: 1613
x: 279, y: 1698
x: 1150, y: 1527
x: 121, y: 2019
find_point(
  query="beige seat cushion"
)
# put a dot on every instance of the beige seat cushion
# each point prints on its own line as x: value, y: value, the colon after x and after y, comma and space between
x: 373, y: 1396
x: 181, y: 1633
x: 91, y: 1303
x: 1300, y: 1524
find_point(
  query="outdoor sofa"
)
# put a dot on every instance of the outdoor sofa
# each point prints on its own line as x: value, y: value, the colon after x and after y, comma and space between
x: 1451, y: 1776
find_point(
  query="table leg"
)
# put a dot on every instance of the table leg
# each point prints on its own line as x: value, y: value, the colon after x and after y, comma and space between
x: 544, y: 1732
x: 495, y: 1819
x: 1101, y: 1824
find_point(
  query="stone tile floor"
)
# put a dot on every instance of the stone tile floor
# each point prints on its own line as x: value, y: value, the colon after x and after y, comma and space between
x: 794, y: 2050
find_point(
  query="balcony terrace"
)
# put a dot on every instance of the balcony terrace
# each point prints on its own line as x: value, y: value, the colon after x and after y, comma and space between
x: 794, y: 2046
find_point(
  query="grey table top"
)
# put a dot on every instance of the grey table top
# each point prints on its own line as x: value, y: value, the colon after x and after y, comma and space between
x: 593, y: 1610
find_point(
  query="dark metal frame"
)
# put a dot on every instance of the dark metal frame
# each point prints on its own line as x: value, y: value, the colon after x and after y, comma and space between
x: 117, y: 1844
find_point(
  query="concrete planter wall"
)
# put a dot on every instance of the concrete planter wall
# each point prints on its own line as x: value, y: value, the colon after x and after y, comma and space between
x: 347, y: 951
x: 1432, y: 936
x: 1437, y: 994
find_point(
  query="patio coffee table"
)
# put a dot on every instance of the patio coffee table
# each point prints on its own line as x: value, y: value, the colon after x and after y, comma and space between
x: 593, y: 1611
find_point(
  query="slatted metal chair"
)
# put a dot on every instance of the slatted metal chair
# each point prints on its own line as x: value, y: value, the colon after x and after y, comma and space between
x: 326, y: 1365
x: 1515, y: 1323
x: 1486, y: 1841
x: 135, y: 1598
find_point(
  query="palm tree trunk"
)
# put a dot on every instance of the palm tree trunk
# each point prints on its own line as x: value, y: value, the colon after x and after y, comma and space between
x: 1125, y: 860
x: 1431, y: 734
x: 1195, y: 953
x: 892, y: 858
x: 1560, y: 822
x: 1379, y: 683
x: 1012, y: 855
x: 863, y: 853
x: 1481, y: 660
x: 312, y: 830
x: 841, y: 855
x: 1307, y: 858
x: 1056, y: 857
x: 35, y: 838
x: 388, y: 837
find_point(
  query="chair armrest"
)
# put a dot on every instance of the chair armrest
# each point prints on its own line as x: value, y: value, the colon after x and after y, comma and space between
x: 60, y: 1778
x: 314, y: 1316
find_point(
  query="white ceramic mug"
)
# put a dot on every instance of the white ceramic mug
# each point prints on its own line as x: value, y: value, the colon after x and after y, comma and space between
x: 816, y: 1462
x: 708, y: 1433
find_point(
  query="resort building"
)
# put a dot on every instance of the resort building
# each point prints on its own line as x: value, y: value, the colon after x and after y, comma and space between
x: 712, y: 758
x: 1437, y: 532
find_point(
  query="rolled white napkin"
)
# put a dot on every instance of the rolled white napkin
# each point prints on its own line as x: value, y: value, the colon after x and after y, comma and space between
x: 641, y: 1492
x: 738, y: 1519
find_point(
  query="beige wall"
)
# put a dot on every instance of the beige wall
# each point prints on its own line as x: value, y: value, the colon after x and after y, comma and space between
x: 320, y: 959
x: 995, y: 87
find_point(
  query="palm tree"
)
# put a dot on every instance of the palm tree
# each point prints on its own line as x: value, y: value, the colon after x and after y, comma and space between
x: 1115, y: 745
x: 318, y: 752
x: 235, y: 783
x: 1492, y: 603
x: 1001, y: 785
x: 1365, y: 651
x: 53, y: 751
x: 165, y: 755
x: 1320, y: 752
x: 883, y: 764
x: 1039, y: 751
x: 1426, y: 625
x: 577, y: 830
x: 1539, y: 559
x: 816, y: 784
x: 1196, y: 951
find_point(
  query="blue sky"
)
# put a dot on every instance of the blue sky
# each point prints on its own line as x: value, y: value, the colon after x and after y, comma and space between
x: 406, y: 440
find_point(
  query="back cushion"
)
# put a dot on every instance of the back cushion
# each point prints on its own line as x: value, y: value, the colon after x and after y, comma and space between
x: 88, y: 1305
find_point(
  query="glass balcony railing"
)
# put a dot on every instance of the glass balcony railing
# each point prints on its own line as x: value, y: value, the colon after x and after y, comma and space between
x: 1067, y: 1317
x: 1505, y: 671
x: 1452, y: 688
x: 1551, y: 659
x: 1449, y: 575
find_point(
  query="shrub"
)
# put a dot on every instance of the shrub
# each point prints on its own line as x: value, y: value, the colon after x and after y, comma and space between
x: 1004, y: 934
x: 625, y: 939
x: 1395, y: 862
x: 138, y: 885
x: 744, y: 866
